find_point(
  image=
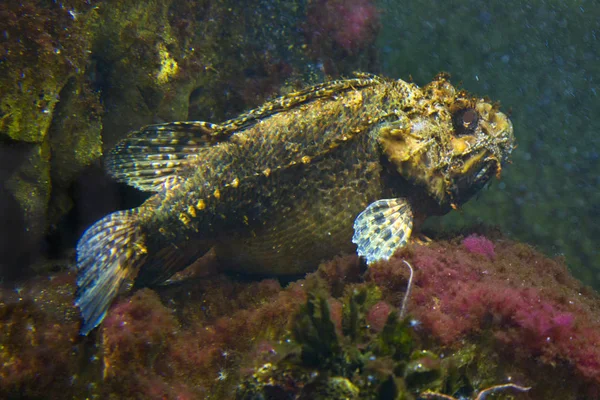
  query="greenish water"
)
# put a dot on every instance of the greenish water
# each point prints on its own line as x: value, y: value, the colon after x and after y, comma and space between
x: 540, y: 59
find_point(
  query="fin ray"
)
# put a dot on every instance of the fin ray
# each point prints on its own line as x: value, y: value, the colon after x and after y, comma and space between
x: 149, y: 157
x: 286, y: 102
x: 109, y: 255
x: 382, y: 228
x: 164, y: 263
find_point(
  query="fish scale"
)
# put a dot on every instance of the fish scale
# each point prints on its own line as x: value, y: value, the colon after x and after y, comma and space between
x: 343, y: 166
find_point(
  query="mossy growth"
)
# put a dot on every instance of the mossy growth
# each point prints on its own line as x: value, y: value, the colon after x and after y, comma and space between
x: 44, y: 52
x: 359, y: 363
x: 314, y: 330
x: 43, y: 46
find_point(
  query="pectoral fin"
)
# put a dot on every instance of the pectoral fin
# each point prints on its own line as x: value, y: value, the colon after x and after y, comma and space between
x: 382, y: 228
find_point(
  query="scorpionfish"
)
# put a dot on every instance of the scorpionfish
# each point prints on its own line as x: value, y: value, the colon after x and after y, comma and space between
x: 347, y: 165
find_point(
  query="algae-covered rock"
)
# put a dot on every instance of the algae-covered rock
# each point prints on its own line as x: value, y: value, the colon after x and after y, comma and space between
x: 158, y: 61
x: 44, y: 47
x: 75, y: 141
x: 30, y: 186
x: 40, y: 355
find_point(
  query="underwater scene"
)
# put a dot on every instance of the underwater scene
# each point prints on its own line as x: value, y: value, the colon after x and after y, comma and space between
x: 319, y: 199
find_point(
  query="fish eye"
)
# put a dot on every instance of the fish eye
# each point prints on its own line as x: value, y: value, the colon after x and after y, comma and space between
x: 465, y: 121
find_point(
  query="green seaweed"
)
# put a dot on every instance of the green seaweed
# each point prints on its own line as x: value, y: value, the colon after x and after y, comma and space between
x: 314, y: 330
x: 361, y: 363
x: 394, y: 363
x: 396, y: 338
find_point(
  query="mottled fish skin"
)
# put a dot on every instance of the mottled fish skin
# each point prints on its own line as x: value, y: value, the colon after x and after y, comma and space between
x: 278, y: 189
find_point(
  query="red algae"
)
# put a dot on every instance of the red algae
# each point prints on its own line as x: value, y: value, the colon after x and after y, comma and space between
x: 337, y: 29
x: 479, y: 245
x: 351, y: 24
x: 136, y: 329
x: 38, y: 332
x: 457, y: 297
x: 335, y: 310
x: 378, y: 315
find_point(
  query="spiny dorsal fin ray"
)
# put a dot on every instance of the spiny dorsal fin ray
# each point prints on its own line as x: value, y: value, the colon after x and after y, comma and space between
x: 147, y: 158
x: 294, y: 99
x: 156, y: 153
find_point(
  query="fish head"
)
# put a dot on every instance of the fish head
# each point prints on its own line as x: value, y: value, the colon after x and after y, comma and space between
x: 448, y: 141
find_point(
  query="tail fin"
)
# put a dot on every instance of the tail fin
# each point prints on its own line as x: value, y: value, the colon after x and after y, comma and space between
x: 109, y: 255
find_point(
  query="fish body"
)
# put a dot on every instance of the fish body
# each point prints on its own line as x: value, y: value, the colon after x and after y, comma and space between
x: 342, y: 166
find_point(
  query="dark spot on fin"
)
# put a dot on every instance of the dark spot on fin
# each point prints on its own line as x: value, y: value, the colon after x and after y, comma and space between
x: 149, y: 157
x: 382, y: 228
x: 109, y: 255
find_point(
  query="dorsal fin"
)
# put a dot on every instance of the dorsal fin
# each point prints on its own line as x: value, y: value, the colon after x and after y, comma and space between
x: 294, y: 99
x: 150, y: 156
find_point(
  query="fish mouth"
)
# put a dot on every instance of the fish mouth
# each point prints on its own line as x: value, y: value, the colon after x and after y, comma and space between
x: 471, y: 172
x: 474, y: 173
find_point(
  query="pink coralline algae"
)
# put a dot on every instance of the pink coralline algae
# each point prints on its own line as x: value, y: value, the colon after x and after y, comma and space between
x: 479, y: 245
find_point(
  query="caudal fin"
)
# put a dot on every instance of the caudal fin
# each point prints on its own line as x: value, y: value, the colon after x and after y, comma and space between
x: 109, y: 255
